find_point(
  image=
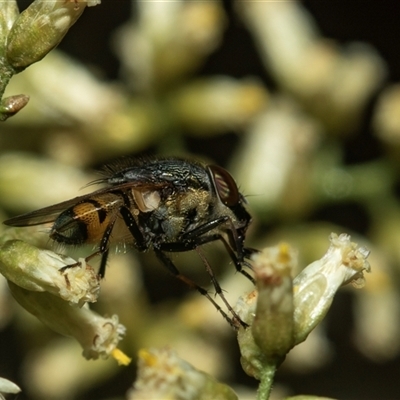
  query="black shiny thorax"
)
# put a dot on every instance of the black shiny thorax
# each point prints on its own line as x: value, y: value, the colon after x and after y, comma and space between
x: 172, y: 172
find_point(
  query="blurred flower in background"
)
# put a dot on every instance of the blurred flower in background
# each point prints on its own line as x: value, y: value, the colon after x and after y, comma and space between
x: 301, y: 109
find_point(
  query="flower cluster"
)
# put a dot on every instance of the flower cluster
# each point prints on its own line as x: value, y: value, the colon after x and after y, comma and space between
x: 59, y: 299
x: 27, y: 37
x: 282, y: 311
x: 163, y: 375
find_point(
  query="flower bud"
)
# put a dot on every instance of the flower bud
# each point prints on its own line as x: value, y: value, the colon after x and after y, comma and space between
x: 282, y: 313
x: 252, y: 359
x: 39, y: 270
x: 11, y: 105
x: 269, y: 312
x: 272, y: 327
x: 7, y: 387
x: 8, y: 14
x: 163, y: 375
x: 97, y: 335
x: 316, y: 285
x: 39, y: 29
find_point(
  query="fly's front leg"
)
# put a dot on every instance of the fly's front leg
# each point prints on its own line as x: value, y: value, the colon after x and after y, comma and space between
x: 236, y: 261
x: 194, y: 234
x: 197, y: 237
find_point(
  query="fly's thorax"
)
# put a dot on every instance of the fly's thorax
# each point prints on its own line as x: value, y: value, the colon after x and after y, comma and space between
x: 182, y: 212
x: 187, y: 211
x: 195, y: 204
x: 86, y: 221
x: 165, y: 216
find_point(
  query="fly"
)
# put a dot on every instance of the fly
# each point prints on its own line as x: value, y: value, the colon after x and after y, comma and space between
x: 167, y: 205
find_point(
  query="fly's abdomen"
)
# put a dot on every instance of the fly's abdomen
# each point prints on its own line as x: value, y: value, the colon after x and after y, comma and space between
x: 87, y: 221
x: 69, y: 229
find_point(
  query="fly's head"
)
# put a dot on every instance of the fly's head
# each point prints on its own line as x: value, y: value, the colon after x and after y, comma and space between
x: 229, y: 196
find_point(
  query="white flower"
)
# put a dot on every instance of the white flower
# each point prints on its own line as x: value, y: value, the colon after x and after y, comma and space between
x: 58, y: 299
x: 92, y: 3
x: 7, y: 386
x: 40, y: 28
x: 39, y: 270
x: 315, y: 287
x: 282, y: 312
x: 274, y: 311
x: 163, y: 375
x: 97, y: 335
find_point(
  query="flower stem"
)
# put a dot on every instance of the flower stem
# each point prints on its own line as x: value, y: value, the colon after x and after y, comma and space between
x: 8, y: 107
x: 266, y: 382
x: 6, y: 73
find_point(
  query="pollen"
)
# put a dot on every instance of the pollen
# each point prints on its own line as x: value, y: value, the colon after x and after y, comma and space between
x: 284, y: 253
x: 149, y: 359
x: 121, y: 357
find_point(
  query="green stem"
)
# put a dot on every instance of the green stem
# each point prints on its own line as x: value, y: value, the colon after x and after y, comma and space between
x: 266, y: 382
x: 6, y: 73
x: 9, y: 106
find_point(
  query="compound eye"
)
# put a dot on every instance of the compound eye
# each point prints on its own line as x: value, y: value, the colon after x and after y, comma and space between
x: 225, y: 186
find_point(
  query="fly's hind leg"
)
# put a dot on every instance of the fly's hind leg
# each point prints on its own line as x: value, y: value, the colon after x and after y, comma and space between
x: 103, y: 263
x: 105, y: 241
x: 218, y: 290
x: 234, y: 322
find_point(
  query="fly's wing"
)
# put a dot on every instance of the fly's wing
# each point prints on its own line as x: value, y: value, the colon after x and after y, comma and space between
x: 50, y: 214
x: 43, y: 215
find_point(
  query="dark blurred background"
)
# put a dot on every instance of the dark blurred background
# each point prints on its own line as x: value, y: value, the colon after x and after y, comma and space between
x: 370, y: 21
